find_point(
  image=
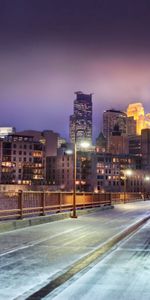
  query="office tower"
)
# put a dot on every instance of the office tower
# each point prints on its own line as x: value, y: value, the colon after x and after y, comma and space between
x: 114, y: 121
x: 136, y: 110
x: 113, y: 118
x: 80, y: 126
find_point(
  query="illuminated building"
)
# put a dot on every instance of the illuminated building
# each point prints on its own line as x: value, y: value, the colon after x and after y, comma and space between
x: 136, y: 110
x: 4, y: 131
x: 22, y: 160
x: 59, y: 169
x: 108, y: 172
x: 48, y: 137
x: 80, y: 125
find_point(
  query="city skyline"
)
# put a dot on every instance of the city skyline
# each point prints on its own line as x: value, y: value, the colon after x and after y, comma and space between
x: 74, y: 149
x: 96, y: 130
x: 50, y: 50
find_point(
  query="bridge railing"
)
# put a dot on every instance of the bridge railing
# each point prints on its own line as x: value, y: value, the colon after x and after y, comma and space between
x: 127, y: 197
x: 35, y: 203
x: 22, y: 204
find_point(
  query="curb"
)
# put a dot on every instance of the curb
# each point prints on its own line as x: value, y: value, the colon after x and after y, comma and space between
x: 18, y: 224
x: 85, y: 261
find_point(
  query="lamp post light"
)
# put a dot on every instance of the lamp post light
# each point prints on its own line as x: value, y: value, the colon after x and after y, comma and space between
x: 127, y: 173
x: 84, y: 145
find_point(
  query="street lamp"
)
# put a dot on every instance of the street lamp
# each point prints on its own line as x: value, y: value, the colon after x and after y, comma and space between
x: 147, y: 180
x: 84, y: 145
x: 127, y: 173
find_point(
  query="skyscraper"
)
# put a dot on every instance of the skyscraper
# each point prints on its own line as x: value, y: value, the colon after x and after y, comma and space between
x: 114, y: 121
x: 80, y: 125
x: 136, y: 110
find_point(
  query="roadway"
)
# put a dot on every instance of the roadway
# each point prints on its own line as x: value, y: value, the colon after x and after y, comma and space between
x: 33, y: 256
x: 123, y: 274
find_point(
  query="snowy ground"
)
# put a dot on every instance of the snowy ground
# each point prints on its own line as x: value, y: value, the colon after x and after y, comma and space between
x: 124, y: 274
x: 33, y: 256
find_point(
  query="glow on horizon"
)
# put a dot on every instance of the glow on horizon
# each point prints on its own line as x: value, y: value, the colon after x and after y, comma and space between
x: 39, y: 85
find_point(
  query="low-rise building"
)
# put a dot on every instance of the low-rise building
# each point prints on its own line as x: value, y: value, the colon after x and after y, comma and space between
x: 59, y: 171
x: 22, y: 160
x: 108, y: 172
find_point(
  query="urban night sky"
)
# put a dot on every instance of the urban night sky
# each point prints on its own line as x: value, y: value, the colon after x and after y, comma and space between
x: 51, y: 48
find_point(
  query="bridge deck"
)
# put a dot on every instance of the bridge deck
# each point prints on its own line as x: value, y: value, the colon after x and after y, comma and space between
x: 31, y: 257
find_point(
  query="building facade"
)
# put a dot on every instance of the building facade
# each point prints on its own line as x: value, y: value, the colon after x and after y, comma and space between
x: 108, y: 172
x: 113, y: 119
x: 4, y: 131
x: 131, y: 126
x: 59, y: 171
x: 48, y: 137
x: 80, y: 125
x: 145, y: 149
x: 136, y: 110
x: 22, y: 160
x: 119, y: 144
x: 135, y: 145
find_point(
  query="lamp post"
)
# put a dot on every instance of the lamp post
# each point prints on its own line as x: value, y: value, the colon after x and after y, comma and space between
x: 147, y: 180
x: 84, y: 145
x: 127, y: 173
x: 74, y: 214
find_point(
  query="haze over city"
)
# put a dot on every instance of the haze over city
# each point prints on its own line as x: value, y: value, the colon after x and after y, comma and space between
x: 50, y: 49
x: 75, y: 149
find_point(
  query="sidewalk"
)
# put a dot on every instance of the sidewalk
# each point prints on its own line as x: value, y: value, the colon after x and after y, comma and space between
x: 33, y: 257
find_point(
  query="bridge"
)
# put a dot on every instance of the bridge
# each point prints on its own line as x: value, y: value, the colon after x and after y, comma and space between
x: 103, y: 254
x: 22, y: 204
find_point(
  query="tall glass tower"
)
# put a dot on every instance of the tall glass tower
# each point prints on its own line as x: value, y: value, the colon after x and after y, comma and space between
x: 80, y: 125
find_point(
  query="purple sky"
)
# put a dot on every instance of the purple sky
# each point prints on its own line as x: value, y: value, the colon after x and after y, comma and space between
x: 50, y: 49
